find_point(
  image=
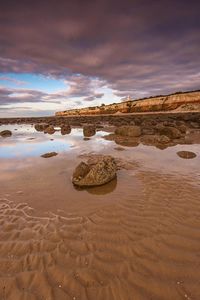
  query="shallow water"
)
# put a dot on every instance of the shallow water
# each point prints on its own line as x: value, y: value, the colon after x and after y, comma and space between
x: 137, y: 237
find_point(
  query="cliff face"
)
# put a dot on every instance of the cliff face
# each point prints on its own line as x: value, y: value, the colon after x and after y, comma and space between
x: 152, y: 104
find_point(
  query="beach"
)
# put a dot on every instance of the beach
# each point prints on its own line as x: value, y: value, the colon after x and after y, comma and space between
x: 136, y: 237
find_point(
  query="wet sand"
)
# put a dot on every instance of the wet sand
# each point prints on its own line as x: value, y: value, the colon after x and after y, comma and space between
x: 137, y: 237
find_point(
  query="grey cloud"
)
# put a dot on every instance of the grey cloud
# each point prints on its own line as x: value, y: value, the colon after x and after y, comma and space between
x: 137, y: 47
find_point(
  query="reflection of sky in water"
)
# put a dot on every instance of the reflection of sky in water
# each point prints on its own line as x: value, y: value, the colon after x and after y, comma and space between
x: 21, y: 144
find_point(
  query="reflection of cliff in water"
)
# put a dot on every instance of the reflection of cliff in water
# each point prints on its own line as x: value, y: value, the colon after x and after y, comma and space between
x: 154, y: 140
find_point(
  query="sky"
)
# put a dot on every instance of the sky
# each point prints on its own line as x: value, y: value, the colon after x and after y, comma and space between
x: 58, y: 55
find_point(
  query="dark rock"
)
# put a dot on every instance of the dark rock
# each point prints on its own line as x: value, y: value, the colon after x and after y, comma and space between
x: 89, y: 130
x: 50, y: 130
x: 5, y: 133
x: 65, y: 129
x: 49, y: 154
x: 186, y: 154
x: 41, y: 126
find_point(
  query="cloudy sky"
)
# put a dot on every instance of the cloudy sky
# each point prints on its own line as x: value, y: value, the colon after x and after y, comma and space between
x: 56, y: 55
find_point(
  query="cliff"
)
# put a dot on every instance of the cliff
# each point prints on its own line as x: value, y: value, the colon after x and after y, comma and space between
x: 178, y: 101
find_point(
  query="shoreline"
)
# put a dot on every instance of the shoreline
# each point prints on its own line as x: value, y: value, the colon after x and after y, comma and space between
x: 190, y: 115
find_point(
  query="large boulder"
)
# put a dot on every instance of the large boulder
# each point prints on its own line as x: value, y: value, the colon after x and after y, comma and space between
x: 95, y: 173
x: 5, y: 133
x: 41, y: 126
x: 132, y: 131
x: 89, y: 130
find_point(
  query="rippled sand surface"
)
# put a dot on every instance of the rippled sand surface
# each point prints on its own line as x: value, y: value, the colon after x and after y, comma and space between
x: 136, y: 238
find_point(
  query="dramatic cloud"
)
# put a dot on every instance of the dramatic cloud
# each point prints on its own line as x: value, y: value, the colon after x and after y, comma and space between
x: 136, y: 48
x: 8, y: 96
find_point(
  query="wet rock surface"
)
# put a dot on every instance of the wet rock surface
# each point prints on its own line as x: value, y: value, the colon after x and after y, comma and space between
x: 49, y: 154
x: 50, y: 130
x: 5, y: 133
x: 131, y: 131
x: 186, y: 154
x: 89, y: 130
x: 97, y: 171
x: 41, y: 126
x: 65, y: 129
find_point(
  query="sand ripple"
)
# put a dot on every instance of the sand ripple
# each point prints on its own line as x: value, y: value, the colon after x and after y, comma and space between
x: 144, y: 247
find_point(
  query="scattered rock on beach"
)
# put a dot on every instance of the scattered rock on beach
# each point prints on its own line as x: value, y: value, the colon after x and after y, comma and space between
x: 132, y: 131
x: 41, y: 126
x: 5, y: 133
x: 163, y: 139
x: 49, y: 154
x: 50, y: 130
x: 95, y: 173
x: 65, y: 129
x: 171, y: 132
x: 186, y: 154
x: 89, y: 130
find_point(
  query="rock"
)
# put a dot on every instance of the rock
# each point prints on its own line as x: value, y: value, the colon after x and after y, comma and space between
x: 49, y: 154
x: 95, y: 173
x: 171, y: 132
x: 89, y: 130
x: 163, y: 139
x: 49, y: 130
x: 81, y: 171
x: 119, y: 148
x: 5, y: 133
x: 133, y: 131
x: 65, y: 129
x: 159, y: 127
x: 41, y: 126
x: 122, y: 140
x: 148, y: 130
x: 194, y: 124
x: 182, y: 128
x: 186, y: 154
x: 149, y: 140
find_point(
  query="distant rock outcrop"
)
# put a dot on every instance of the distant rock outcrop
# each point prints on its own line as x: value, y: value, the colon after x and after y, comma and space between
x: 187, y: 101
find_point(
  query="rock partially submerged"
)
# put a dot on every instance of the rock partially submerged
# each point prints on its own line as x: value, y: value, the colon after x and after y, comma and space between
x: 49, y: 154
x: 170, y: 132
x: 65, y: 129
x: 89, y: 130
x: 131, y: 131
x: 41, y: 126
x: 186, y: 154
x: 95, y: 172
x: 50, y: 130
x: 5, y: 133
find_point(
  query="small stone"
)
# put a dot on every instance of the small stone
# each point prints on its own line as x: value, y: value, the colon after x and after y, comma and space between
x: 5, y: 133
x: 186, y: 154
x: 49, y: 154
